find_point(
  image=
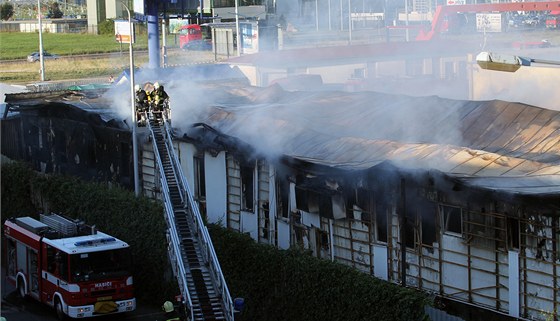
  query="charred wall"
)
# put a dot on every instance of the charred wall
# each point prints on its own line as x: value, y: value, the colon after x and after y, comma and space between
x: 58, y: 138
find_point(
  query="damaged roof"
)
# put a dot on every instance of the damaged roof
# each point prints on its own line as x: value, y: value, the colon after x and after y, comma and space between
x: 497, y: 145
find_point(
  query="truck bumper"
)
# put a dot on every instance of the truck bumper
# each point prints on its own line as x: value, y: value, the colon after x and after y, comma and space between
x: 86, y: 311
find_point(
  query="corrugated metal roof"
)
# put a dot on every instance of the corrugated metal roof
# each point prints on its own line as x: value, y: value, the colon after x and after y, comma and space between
x: 498, y: 145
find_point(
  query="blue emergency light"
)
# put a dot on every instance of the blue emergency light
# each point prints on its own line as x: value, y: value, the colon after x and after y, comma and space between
x: 95, y: 242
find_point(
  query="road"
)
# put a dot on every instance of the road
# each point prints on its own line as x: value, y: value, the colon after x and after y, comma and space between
x: 14, y: 308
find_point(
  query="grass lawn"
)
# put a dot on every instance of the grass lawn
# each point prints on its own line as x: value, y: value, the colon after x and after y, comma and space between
x: 17, y: 45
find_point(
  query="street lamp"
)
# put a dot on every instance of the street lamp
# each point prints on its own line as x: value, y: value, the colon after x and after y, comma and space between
x: 238, y: 36
x: 133, y: 105
x: 508, y: 63
x: 41, y: 57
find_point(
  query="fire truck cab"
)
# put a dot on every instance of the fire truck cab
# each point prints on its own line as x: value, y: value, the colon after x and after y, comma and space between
x: 188, y: 35
x: 68, y: 265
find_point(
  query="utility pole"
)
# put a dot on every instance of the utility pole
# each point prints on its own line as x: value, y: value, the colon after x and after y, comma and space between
x: 133, y: 105
x: 41, y: 57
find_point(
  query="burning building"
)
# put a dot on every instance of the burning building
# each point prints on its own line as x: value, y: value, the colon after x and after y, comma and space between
x: 458, y: 198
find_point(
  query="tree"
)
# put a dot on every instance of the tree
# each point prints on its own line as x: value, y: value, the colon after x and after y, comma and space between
x: 6, y: 11
x: 54, y: 11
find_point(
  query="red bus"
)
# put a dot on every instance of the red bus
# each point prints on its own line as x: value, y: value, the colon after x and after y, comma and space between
x: 68, y: 265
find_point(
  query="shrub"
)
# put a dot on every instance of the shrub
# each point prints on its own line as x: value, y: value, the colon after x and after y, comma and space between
x: 292, y: 285
x: 276, y: 284
x: 6, y: 11
x: 106, y: 27
x: 116, y: 211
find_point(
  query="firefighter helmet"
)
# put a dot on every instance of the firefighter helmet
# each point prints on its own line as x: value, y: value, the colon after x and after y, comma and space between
x: 137, y: 88
x: 168, y: 306
x: 156, y: 85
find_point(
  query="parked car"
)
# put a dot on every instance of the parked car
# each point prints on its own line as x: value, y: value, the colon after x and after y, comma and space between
x: 46, y: 55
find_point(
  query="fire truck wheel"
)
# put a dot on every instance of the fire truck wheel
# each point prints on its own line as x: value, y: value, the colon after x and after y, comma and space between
x: 59, y: 311
x: 21, y: 288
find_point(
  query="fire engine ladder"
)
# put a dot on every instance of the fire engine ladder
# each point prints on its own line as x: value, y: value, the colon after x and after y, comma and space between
x: 191, y: 253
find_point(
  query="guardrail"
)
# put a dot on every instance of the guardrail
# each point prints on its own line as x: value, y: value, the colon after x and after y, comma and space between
x: 204, y: 239
x: 180, y: 271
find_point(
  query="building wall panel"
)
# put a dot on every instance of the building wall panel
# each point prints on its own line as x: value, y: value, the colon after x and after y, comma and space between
x: 455, y: 263
x: 216, y: 187
x: 233, y: 194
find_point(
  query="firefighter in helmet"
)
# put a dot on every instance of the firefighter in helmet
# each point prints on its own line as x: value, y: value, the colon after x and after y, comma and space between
x: 169, y: 312
x: 159, y: 98
x: 141, y: 105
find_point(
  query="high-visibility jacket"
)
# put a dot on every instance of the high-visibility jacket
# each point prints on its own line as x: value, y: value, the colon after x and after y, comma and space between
x: 159, y: 95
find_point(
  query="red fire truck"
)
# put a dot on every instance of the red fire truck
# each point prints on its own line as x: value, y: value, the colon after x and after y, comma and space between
x: 190, y: 37
x: 69, y: 265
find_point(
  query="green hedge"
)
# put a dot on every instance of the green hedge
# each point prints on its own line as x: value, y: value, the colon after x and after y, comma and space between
x: 138, y: 221
x: 277, y: 285
x: 292, y: 285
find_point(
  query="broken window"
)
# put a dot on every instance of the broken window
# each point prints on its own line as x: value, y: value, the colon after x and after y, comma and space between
x: 381, y: 212
x: 539, y: 236
x: 200, y: 182
x: 199, y: 178
x: 301, y: 236
x: 247, y: 188
x: 452, y: 219
x: 322, y: 241
x: 320, y: 196
x: 302, y: 199
x: 409, y: 230
x: 265, y: 221
x: 323, y: 238
x: 338, y: 210
x: 427, y: 217
x: 512, y: 233
x: 331, y: 206
x: 361, y: 204
x: 282, y: 196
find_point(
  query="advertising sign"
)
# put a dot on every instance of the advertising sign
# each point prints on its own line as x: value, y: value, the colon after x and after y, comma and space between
x: 176, y: 24
x: 138, y: 7
x: 489, y: 22
x: 250, y: 37
x: 122, y: 31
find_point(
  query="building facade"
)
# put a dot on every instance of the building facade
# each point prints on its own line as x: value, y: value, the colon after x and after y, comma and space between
x: 472, y: 223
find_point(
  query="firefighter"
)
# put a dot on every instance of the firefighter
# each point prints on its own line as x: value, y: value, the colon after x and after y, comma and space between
x: 141, y: 98
x: 159, y: 98
x: 141, y: 105
x: 170, y: 313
